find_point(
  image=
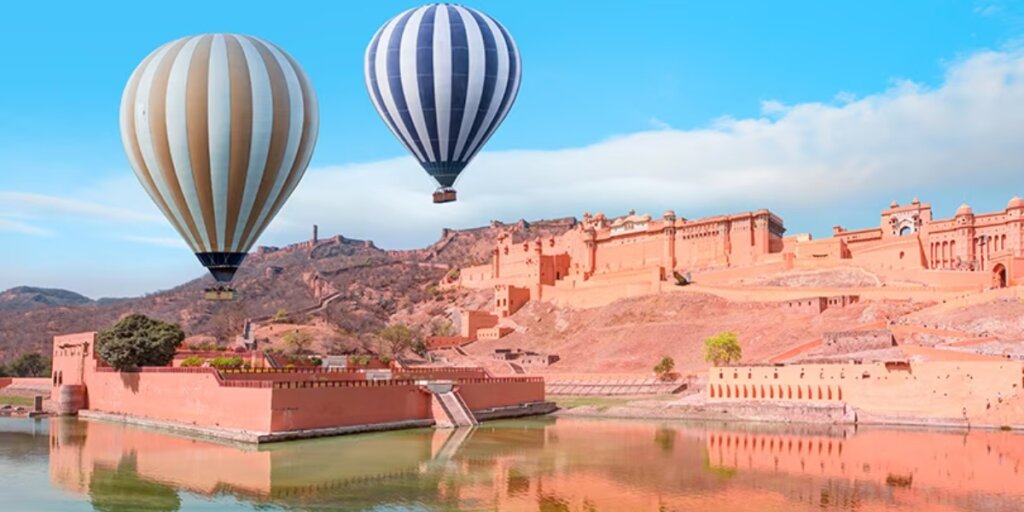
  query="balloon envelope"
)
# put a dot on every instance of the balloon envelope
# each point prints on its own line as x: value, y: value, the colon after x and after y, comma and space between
x: 219, y: 129
x: 443, y: 77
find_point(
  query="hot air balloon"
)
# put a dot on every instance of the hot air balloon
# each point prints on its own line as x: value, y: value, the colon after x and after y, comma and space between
x: 219, y: 129
x: 443, y: 77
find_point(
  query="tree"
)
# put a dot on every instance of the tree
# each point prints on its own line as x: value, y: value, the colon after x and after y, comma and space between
x: 280, y: 317
x: 665, y: 367
x: 137, y: 340
x: 441, y: 327
x: 31, y: 365
x: 398, y: 338
x: 3, y: 371
x: 298, y: 340
x: 722, y: 349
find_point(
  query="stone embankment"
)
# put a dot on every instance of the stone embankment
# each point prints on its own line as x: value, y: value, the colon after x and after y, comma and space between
x: 693, y: 407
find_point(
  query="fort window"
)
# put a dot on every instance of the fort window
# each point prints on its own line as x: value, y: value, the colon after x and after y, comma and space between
x: 711, y: 391
x: 829, y: 393
x: 799, y: 393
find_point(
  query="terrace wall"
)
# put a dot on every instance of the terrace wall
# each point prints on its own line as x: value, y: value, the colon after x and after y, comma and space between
x: 315, y: 405
x: 934, y: 389
x: 180, y: 395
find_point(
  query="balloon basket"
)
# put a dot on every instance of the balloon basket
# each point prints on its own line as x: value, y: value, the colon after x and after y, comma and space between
x: 444, y: 195
x: 219, y: 293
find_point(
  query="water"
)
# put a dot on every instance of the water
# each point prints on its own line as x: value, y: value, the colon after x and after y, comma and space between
x: 547, y: 464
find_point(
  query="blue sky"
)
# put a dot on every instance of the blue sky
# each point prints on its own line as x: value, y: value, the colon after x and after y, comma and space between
x: 821, y: 111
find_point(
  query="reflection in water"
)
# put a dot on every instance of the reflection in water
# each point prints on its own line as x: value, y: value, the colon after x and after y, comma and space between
x: 541, y: 464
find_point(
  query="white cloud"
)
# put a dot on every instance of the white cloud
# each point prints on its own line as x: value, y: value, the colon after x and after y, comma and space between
x: 13, y: 226
x: 658, y: 124
x: 101, y: 209
x: 808, y: 154
x: 773, y: 108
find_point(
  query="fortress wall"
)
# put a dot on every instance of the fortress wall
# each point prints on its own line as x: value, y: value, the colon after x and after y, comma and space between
x: 629, y: 253
x: 935, y: 389
x: 776, y: 294
x: 484, y: 394
x: 473, y: 320
x: 480, y: 276
x: 311, y: 407
x: 181, y: 397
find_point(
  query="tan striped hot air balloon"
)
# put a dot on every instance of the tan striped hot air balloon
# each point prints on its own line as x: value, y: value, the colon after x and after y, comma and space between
x: 219, y: 129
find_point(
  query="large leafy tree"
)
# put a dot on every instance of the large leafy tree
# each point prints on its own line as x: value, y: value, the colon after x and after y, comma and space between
x: 722, y: 349
x: 398, y: 338
x: 137, y: 340
x: 30, y: 365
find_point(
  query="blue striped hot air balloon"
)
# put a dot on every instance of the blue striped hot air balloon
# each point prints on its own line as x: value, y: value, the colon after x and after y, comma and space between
x: 443, y: 77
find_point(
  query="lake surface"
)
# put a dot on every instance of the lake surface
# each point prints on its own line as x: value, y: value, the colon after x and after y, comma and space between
x: 546, y: 464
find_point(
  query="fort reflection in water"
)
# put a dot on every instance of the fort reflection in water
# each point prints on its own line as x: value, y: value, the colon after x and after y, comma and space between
x: 552, y: 465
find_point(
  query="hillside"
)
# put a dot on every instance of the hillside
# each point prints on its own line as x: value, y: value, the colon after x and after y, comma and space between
x: 630, y: 335
x: 349, y: 288
x: 26, y: 297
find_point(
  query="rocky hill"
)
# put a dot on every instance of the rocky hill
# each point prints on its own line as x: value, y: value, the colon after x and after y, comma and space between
x: 26, y: 297
x: 348, y: 288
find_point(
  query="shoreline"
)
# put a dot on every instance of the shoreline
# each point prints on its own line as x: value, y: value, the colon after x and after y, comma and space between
x: 253, y: 438
x: 840, y: 415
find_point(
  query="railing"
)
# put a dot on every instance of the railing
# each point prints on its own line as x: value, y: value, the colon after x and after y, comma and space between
x: 293, y: 370
x: 306, y: 384
x: 219, y: 375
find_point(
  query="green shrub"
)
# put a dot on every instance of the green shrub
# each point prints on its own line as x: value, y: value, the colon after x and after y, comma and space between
x: 192, y: 362
x: 298, y: 340
x: 722, y: 349
x: 316, y: 361
x: 385, y: 359
x: 665, y: 367
x: 226, y: 363
x: 138, y: 340
x: 32, y: 364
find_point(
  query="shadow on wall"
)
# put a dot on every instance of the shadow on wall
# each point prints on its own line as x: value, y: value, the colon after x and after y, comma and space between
x: 130, y: 381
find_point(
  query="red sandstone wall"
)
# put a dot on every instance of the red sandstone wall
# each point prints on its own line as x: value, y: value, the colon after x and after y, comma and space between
x: 323, y: 407
x: 935, y: 389
x: 182, y: 397
x: 501, y: 392
x: 473, y: 320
